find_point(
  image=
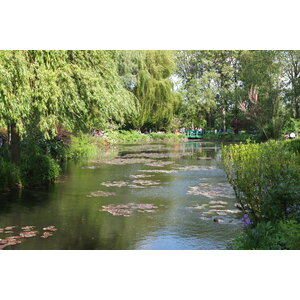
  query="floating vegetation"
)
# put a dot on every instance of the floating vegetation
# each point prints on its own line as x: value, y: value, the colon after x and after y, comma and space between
x: 146, y: 182
x: 101, y: 194
x: 147, y: 147
x: 215, y: 190
x: 28, y: 228
x: 50, y: 228
x: 159, y: 171
x: 10, y: 241
x: 115, y: 183
x: 46, y: 234
x: 159, y: 155
x: 123, y: 161
x: 223, y: 211
x: 89, y: 167
x: 138, y: 183
x: 217, y: 206
x: 159, y: 163
x: 10, y: 227
x: 197, y: 168
x: 218, y: 202
x: 28, y: 234
x: 202, y: 206
x: 128, y: 209
x: 141, y: 176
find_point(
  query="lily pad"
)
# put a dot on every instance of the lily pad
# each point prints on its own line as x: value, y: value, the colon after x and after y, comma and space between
x: 218, y: 202
x: 28, y: 234
x: 9, y: 241
x: 28, y: 228
x: 89, y: 167
x: 197, y: 168
x: 138, y: 183
x: 46, y: 234
x: 159, y: 171
x: 128, y: 209
x: 212, y: 190
x: 141, y: 176
x: 101, y: 194
x: 50, y: 228
x: 123, y: 161
x: 10, y: 227
x: 159, y: 155
x: 159, y: 163
x: 146, y: 182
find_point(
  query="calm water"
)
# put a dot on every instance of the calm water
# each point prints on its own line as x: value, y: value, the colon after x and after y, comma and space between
x: 185, y: 201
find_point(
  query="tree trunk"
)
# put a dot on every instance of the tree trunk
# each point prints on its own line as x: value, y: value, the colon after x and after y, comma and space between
x: 224, y: 117
x: 15, y: 144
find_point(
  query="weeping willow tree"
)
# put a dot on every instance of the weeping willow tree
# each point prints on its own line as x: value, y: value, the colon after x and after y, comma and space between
x: 78, y: 89
x: 154, y: 90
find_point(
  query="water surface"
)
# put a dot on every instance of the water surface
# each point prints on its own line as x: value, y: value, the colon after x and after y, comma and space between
x: 187, y: 192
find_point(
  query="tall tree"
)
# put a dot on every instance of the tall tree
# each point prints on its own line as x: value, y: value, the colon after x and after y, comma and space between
x: 78, y: 89
x: 291, y: 60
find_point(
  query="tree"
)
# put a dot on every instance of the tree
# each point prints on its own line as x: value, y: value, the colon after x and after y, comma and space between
x: 261, y: 89
x: 291, y: 61
x: 154, y: 90
x: 78, y: 89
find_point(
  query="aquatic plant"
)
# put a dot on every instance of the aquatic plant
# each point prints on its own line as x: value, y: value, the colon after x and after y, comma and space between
x: 128, y: 209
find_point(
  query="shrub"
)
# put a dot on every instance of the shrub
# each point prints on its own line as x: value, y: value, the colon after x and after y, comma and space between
x: 38, y: 169
x: 294, y: 145
x: 283, y: 235
x: 9, y: 175
x: 166, y: 136
x: 136, y: 136
x: 83, y: 145
x: 256, y: 170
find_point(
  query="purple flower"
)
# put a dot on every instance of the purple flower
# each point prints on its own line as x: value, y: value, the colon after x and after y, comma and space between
x: 246, y: 220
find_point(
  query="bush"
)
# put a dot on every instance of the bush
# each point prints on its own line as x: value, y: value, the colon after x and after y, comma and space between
x: 136, y: 136
x: 294, y: 145
x: 83, y: 145
x: 284, y: 235
x: 166, y: 136
x: 38, y: 169
x: 256, y: 170
x: 9, y: 175
x: 230, y: 137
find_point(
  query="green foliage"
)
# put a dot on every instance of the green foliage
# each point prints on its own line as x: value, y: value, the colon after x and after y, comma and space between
x: 154, y: 90
x: 230, y: 137
x: 294, y: 145
x: 291, y: 125
x: 255, y: 170
x: 284, y: 235
x: 78, y: 89
x: 38, y: 169
x: 9, y: 175
x: 84, y: 145
x: 166, y: 136
x: 124, y: 136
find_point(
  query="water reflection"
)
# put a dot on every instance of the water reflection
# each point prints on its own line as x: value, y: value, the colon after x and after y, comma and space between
x: 179, y: 220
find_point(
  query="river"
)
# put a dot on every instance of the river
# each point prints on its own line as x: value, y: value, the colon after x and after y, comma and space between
x: 137, y: 196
